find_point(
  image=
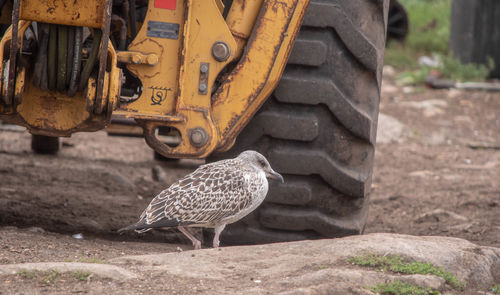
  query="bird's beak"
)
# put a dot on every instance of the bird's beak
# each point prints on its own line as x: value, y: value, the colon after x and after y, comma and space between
x: 275, y: 175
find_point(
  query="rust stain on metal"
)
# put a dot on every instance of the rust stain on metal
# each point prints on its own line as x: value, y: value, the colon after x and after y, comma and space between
x: 152, y: 41
x: 182, y: 47
x: 133, y: 68
x: 99, y: 15
x: 152, y: 76
x: 231, y: 131
x: 203, y: 111
x: 98, y: 106
x: 279, y: 4
x: 164, y: 118
x: 75, y: 17
x: 13, y: 52
x: 245, y: 59
x: 188, y: 110
x: 89, y: 13
x: 239, y: 35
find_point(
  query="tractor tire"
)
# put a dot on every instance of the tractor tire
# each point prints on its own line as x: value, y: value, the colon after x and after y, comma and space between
x: 318, y: 128
x: 397, y: 22
x: 49, y: 145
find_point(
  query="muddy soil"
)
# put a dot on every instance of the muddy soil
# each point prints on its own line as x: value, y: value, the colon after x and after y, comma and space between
x: 437, y: 172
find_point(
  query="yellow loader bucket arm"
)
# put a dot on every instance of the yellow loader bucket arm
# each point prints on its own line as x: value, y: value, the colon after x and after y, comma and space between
x: 259, y: 69
x: 187, y: 69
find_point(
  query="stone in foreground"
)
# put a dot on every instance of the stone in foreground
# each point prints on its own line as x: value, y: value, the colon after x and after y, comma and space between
x: 320, y: 267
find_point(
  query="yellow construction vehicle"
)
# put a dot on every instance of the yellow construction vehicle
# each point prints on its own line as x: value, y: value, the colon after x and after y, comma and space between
x: 204, y: 72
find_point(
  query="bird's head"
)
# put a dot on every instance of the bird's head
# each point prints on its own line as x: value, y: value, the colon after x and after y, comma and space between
x: 261, y: 162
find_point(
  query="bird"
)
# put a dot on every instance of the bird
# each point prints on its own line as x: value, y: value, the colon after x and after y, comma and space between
x: 214, y: 195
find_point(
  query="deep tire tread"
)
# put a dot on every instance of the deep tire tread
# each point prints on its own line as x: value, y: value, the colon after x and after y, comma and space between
x: 318, y: 128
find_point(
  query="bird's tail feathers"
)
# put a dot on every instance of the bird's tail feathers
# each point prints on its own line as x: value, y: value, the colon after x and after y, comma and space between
x: 142, y: 230
x: 130, y: 227
x: 143, y: 226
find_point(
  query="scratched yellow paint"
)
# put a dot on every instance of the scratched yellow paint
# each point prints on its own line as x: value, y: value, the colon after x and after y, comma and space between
x: 88, y: 13
x: 52, y: 113
x: 50, y: 110
x: 241, y: 19
x: 160, y: 81
x: 55, y: 112
x: 203, y: 26
x: 261, y: 70
x: 167, y: 61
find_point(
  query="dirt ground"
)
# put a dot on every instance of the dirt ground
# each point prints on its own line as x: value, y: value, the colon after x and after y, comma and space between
x: 437, y: 172
x: 441, y: 176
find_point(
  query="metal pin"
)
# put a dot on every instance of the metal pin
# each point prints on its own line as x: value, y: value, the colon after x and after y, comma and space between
x: 221, y: 51
x: 203, y: 87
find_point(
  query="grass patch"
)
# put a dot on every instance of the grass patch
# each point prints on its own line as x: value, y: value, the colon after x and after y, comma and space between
x: 449, y: 68
x: 81, y: 275
x: 495, y: 289
x: 399, y: 264
x: 46, y: 277
x: 429, y: 35
x: 429, y: 25
x: 401, y: 288
x: 400, y: 56
x: 453, y: 69
x: 52, y: 276
x: 90, y: 260
x: 27, y: 274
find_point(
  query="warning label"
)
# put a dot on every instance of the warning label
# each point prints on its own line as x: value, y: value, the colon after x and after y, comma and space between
x: 165, y: 4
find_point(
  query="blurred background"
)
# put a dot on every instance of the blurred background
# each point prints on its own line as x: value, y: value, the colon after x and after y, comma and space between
x: 438, y: 142
x: 453, y: 40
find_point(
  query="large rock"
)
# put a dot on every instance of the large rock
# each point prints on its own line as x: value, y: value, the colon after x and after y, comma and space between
x: 311, y: 267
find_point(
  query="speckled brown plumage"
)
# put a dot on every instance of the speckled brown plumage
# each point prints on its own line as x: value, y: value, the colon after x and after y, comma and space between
x: 212, y: 196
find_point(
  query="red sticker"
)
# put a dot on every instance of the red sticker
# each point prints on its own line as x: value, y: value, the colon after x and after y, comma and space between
x: 165, y: 4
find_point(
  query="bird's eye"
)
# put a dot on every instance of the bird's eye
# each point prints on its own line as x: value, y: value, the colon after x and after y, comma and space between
x: 262, y: 163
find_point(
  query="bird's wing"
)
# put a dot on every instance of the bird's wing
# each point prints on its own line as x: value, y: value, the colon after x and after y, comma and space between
x: 206, y: 196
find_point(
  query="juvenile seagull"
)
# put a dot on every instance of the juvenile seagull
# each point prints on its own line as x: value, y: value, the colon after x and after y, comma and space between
x: 212, y: 196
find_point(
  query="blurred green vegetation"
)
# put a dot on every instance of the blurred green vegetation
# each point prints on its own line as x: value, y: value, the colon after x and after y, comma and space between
x: 429, y: 35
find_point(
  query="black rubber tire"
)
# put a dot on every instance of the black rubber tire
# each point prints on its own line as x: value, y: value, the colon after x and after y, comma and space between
x: 318, y: 129
x: 397, y: 22
x: 41, y: 144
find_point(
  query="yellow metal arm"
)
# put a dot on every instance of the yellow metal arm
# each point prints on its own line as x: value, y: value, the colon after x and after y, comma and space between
x: 259, y: 69
x: 207, y: 121
x: 193, y: 71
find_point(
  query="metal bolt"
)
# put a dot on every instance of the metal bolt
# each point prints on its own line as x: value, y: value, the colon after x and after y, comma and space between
x: 136, y: 59
x: 203, y: 87
x: 198, y: 137
x: 152, y: 59
x: 204, y: 68
x: 221, y: 51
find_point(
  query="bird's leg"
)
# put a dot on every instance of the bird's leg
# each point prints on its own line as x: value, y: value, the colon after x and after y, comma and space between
x: 196, y: 243
x: 218, y: 230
